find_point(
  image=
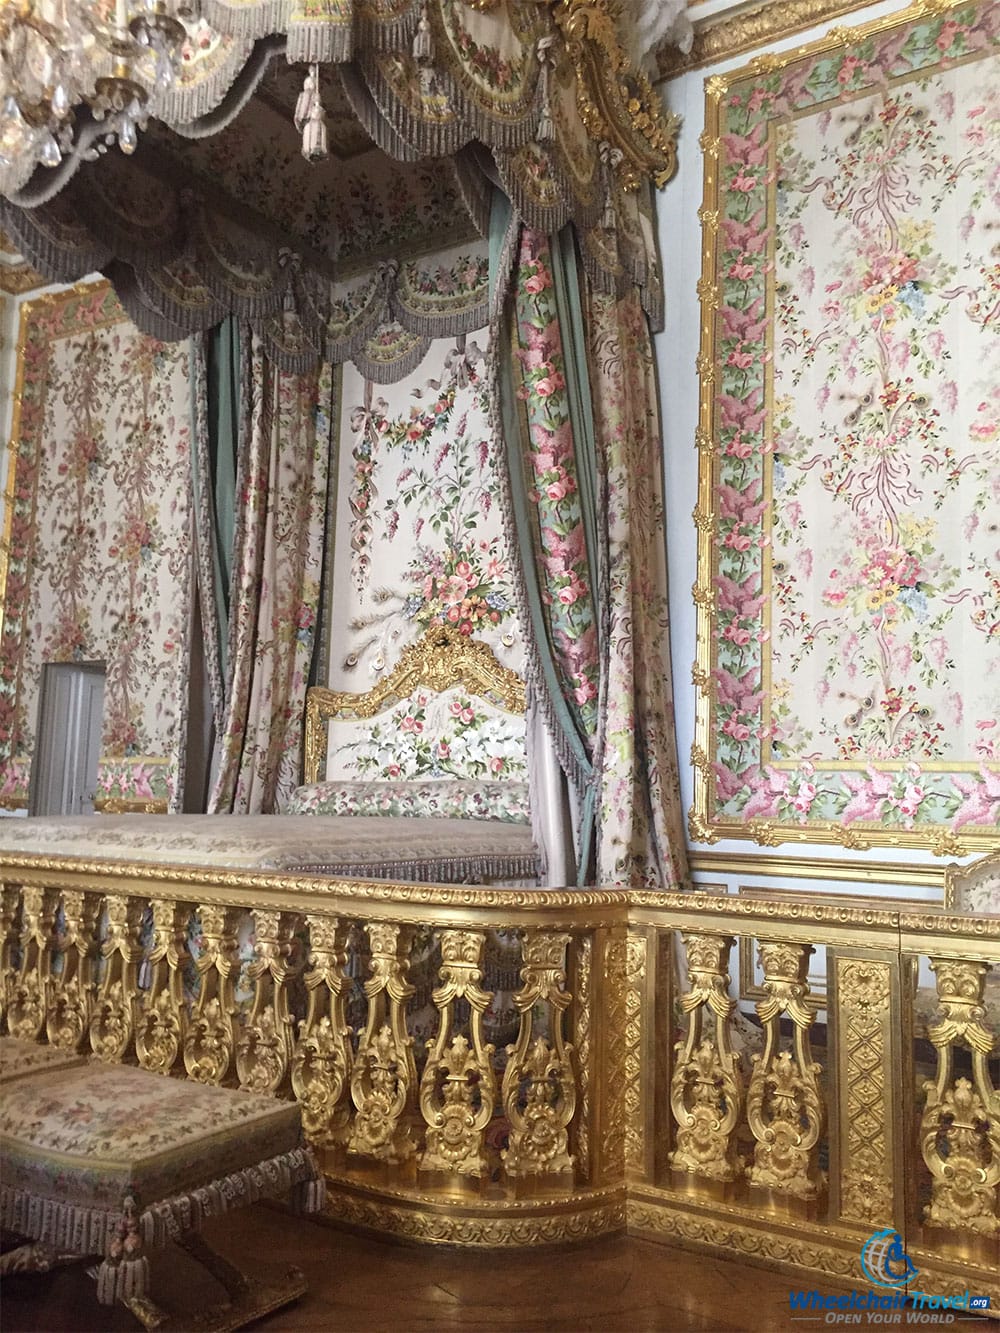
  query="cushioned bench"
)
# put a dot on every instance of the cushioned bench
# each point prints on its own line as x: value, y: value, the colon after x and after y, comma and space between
x: 111, y: 1160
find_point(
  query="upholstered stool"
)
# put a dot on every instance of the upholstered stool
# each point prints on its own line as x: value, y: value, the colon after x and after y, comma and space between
x: 112, y: 1160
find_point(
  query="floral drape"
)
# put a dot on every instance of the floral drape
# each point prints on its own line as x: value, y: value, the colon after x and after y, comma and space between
x: 586, y: 488
x: 277, y: 561
x: 640, y: 831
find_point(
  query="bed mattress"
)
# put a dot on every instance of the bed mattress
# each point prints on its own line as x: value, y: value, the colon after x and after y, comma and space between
x: 434, y: 850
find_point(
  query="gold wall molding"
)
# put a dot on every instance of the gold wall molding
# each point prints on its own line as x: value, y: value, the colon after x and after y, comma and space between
x: 837, y: 869
x: 539, y: 1221
x: 732, y: 37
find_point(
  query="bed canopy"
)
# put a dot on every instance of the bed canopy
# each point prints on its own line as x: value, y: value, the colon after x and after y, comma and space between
x: 428, y: 105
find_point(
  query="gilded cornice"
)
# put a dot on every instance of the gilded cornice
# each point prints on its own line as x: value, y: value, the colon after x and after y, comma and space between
x: 847, y: 869
x: 745, y: 32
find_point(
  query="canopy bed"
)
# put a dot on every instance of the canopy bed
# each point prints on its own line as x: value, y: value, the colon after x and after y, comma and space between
x: 349, y: 183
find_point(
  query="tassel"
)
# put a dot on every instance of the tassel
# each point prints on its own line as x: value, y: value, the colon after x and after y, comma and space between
x: 315, y: 147
x: 305, y: 100
x: 423, y: 45
x: 124, y: 1271
x: 545, y: 131
x: 610, y: 159
x: 309, y: 1196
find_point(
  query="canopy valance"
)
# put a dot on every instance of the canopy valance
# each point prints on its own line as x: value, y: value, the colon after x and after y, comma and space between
x: 428, y: 104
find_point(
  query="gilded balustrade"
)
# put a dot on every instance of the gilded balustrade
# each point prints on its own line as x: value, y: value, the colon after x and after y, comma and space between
x: 491, y: 1067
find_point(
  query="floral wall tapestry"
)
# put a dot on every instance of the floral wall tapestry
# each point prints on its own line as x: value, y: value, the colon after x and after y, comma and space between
x: 419, y: 541
x: 849, y: 578
x: 100, y: 553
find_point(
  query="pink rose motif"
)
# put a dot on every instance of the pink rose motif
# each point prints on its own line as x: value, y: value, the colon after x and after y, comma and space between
x: 496, y: 764
x: 568, y: 595
x: 468, y: 716
x: 394, y: 770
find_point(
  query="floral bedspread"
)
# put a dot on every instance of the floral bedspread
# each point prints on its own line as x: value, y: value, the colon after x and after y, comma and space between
x: 424, y: 848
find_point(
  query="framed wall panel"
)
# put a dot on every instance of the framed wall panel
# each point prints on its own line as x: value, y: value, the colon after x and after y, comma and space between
x: 849, y: 484
x: 97, y: 541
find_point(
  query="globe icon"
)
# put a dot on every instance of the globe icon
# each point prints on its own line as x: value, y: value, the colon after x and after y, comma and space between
x: 884, y: 1261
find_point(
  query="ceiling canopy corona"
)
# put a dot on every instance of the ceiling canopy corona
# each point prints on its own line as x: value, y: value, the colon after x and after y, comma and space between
x: 301, y: 156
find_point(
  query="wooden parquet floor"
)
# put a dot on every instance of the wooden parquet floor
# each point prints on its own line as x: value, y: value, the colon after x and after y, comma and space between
x: 360, y: 1285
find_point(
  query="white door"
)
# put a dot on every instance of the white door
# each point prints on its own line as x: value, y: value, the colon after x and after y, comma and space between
x: 68, y: 745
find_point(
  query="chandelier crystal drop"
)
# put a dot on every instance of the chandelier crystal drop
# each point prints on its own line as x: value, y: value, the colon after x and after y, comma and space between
x: 113, y: 58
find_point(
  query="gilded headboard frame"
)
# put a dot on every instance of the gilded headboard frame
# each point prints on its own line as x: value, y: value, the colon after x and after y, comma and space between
x: 442, y: 658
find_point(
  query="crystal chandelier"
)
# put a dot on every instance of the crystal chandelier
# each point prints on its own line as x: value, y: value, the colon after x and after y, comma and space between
x: 115, y: 58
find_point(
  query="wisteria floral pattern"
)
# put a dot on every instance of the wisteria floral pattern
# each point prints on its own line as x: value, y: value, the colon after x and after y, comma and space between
x: 102, y: 470
x: 856, y: 623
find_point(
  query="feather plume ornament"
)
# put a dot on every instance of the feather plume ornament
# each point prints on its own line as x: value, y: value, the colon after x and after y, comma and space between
x: 646, y: 25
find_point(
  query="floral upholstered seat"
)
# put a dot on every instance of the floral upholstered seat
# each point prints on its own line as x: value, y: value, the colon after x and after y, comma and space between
x: 109, y: 1159
x: 18, y: 1059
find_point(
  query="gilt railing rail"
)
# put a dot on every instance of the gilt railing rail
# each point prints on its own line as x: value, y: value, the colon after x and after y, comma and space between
x: 489, y: 1066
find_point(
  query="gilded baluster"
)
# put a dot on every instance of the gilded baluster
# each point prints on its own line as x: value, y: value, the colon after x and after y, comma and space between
x: 29, y: 988
x: 322, y: 1059
x: 960, y: 1126
x: 264, y: 1049
x: 10, y: 897
x: 706, y: 1090
x: 785, y: 1108
x: 539, y: 1085
x: 384, y: 1078
x: 71, y: 992
x: 458, y: 1088
x: 209, y: 1042
x: 112, y: 1027
x: 162, y: 1021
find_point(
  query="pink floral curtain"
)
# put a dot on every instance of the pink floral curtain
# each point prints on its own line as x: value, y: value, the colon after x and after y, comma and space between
x: 592, y: 544
x: 641, y: 837
x: 277, y: 563
x: 564, y: 565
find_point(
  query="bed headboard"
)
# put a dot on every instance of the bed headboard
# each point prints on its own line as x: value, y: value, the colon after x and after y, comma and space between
x: 441, y: 659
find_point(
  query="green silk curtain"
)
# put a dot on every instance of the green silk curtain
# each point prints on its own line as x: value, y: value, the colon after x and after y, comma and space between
x: 577, y: 411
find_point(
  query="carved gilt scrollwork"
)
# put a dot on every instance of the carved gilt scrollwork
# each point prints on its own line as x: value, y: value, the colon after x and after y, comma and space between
x: 321, y: 1063
x: 785, y: 1108
x: 539, y: 1086
x: 10, y: 897
x: 384, y: 1078
x: 71, y: 991
x: 458, y: 1087
x: 28, y: 998
x: 706, y: 1090
x: 264, y: 1047
x: 209, y: 1042
x: 113, y: 1025
x: 162, y: 1021
x: 960, y: 1126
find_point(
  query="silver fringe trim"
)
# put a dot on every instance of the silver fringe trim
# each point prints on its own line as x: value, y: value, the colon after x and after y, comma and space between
x: 81, y: 1230
x: 435, y: 870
